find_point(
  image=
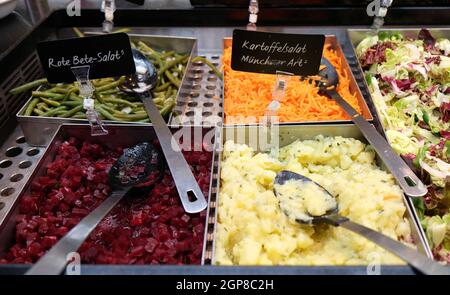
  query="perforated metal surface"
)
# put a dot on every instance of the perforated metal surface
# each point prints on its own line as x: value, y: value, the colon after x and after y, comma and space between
x: 17, y: 161
x: 201, y: 103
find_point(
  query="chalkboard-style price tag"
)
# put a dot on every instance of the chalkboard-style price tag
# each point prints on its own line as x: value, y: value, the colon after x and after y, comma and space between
x: 107, y: 55
x: 263, y: 52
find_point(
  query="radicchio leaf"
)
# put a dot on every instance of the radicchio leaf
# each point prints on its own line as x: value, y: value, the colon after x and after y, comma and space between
x: 445, y: 111
x: 427, y: 38
x: 445, y: 134
x: 376, y: 54
x: 404, y: 84
x: 433, y: 59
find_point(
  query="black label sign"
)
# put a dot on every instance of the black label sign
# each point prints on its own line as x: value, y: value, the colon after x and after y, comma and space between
x: 107, y: 55
x: 268, y: 53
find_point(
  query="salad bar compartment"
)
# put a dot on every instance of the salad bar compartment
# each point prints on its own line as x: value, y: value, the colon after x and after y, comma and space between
x: 148, y: 227
x: 247, y: 95
x: 407, y: 74
x: 250, y: 228
x: 52, y: 105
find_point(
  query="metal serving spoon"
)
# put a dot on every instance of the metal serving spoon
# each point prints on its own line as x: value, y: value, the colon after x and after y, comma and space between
x: 141, y: 164
x: 140, y: 84
x: 332, y: 217
x: 407, y: 180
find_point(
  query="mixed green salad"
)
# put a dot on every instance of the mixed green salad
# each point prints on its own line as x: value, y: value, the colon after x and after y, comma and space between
x: 409, y: 79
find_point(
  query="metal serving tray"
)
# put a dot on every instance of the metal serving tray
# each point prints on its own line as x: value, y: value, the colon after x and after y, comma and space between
x: 357, y: 35
x: 329, y: 40
x: 40, y: 130
x: 289, y: 134
x: 119, y: 135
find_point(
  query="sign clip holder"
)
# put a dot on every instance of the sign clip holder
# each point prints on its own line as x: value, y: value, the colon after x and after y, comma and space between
x: 86, y: 91
x: 278, y: 94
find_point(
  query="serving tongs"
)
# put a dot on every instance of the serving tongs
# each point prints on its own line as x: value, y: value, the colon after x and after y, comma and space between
x: 406, y: 179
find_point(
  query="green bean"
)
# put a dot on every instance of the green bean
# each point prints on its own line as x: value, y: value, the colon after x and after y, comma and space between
x: 106, y: 114
x: 31, y: 106
x: 51, y: 102
x: 59, y: 114
x: 101, y: 82
x: 28, y: 86
x: 38, y: 112
x: 43, y: 106
x: 111, y: 85
x: 168, y: 92
x: 98, y: 97
x: 162, y: 87
x: 75, y: 97
x: 72, y: 112
x: 47, y: 95
x: 119, y: 101
x: 170, y: 64
x: 159, y: 100
x: 166, y: 109
x: 71, y: 103
x: 177, y: 70
x: 109, y: 109
x: 59, y: 90
x: 79, y: 116
x: 147, y: 48
x: 207, y: 62
x: 172, y: 79
x: 147, y: 120
x: 79, y: 33
x: 157, y: 58
x: 133, y: 117
x: 168, y: 54
x: 52, y: 112
x: 111, y: 91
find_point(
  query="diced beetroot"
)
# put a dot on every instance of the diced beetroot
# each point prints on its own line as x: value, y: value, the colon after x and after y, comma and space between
x: 148, y: 229
x: 79, y: 212
x: 137, y: 251
x: 136, y: 218
x: 49, y: 241
x: 151, y: 245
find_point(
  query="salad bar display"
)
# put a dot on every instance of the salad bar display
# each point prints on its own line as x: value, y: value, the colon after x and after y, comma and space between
x: 327, y: 193
x: 408, y: 75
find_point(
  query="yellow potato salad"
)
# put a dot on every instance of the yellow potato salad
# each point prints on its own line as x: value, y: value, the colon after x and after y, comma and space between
x: 252, y: 230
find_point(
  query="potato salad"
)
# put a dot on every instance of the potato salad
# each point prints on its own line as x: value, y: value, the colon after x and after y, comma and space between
x: 253, y: 230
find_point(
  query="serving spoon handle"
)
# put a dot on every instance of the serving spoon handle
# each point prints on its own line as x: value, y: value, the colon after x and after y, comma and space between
x: 411, y: 256
x: 406, y: 179
x: 191, y: 195
x: 55, y: 260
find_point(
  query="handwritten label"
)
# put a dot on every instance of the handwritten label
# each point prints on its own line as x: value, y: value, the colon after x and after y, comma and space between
x: 107, y: 55
x: 267, y: 53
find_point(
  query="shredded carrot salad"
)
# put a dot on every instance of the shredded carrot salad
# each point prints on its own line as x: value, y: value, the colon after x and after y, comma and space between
x: 247, y: 95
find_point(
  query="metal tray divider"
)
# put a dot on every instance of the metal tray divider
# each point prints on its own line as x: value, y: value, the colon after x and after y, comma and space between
x: 211, y: 213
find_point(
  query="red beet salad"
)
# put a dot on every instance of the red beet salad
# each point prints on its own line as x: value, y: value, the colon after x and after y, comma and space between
x: 149, y: 228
